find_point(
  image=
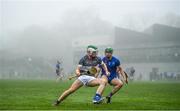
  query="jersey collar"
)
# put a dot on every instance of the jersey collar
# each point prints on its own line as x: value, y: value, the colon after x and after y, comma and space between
x: 108, y: 58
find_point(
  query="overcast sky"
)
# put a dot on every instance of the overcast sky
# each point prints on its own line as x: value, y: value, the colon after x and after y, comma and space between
x: 18, y: 14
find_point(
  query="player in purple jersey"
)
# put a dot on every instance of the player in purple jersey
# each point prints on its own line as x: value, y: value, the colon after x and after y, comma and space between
x: 116, y: 71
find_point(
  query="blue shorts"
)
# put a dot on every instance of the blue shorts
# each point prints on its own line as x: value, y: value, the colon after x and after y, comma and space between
x: 110, y: 78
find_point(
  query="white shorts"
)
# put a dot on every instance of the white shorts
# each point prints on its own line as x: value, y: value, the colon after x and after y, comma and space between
x: 86, y: 79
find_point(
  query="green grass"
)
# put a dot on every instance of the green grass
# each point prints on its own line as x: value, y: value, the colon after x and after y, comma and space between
x: 39, y: 94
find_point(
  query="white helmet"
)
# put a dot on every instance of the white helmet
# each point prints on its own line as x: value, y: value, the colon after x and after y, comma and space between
x: 91, y: 49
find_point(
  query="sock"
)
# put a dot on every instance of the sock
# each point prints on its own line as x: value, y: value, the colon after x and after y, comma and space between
x: 110, y: 94
x: 98, y: 95
x: 57, y: 101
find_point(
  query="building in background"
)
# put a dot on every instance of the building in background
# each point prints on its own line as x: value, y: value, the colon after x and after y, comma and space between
x: 154, y: 53
x: 156, y: 47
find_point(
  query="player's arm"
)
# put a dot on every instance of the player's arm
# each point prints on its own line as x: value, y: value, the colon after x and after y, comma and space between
x: 105, y: 68
x: 98, y: 71
x: 124, y: 75
x: 78, y: 70
x: 81, y: 62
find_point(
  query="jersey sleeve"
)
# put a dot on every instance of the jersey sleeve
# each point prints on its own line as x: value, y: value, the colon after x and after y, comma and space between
x: 118, y: 62
x: 99, y: 61
x: 81, y: 62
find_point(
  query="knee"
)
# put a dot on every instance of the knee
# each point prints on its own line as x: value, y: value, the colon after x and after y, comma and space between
x: 119, y: 85
x: 103, y: 82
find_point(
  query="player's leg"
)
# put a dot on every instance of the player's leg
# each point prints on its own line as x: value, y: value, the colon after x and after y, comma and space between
x: 102, y: 83
x: 76, y: 85
x: 99, y: 81
x: 58, y: 78
x: 117, y: 83
x: 57, y: 74
x: 61, y: 74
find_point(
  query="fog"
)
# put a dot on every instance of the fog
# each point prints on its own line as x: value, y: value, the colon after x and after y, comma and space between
x: 45, y: 31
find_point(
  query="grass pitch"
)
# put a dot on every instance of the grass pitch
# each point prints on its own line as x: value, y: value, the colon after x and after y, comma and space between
x: 39, y: 94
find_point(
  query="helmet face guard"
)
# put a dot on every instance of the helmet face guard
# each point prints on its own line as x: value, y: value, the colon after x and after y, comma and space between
x: 92, y: 50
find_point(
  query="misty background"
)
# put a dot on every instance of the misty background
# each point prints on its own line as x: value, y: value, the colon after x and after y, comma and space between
x: 34, y: 34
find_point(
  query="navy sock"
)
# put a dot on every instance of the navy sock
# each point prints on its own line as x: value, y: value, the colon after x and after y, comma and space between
x: 98, y: 95
x: 110, y: 94
x: 57, y: 101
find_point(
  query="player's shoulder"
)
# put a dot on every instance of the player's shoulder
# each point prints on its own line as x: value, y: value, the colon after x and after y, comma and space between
x: 99, y: 58
x: 104, y: 59
x: 116, y: 58
x: 84, y: 57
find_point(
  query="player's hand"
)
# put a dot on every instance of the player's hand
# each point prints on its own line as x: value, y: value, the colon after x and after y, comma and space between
x: 107, y: 73
x: 78, y: 73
